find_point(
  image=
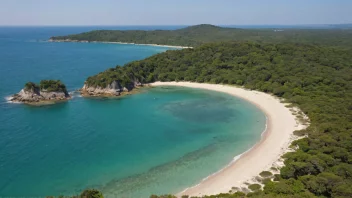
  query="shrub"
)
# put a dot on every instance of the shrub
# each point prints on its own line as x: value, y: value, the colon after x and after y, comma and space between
x: 91, y: 193
x: 254, y: 187
x: 273, y: 169
x: 277, y: 177
x: 30, y: 86
x: 52, y: 85
x: 266, y: 174
x: 266, y: 180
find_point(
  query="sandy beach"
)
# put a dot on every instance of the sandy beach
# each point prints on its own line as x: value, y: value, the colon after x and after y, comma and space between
x: 122, y: 43
x: 265, y: 154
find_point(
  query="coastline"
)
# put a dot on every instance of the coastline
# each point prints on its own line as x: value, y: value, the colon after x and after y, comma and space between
x: 39, y: 103
x: 121, y: 43
x: 275, y: 141
x: 109, y: 95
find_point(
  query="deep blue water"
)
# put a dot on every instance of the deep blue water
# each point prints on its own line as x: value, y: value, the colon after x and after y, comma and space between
x: 27, y: 56
x: 159, y: 141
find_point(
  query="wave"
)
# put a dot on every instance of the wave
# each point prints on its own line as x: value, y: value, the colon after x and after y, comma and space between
x: 9, y: 100
x: 36, y: 41
x: 75, y: 94
x: 236, y: 158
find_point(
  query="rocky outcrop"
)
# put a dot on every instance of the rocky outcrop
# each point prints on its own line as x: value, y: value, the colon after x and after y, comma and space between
x: 36, y: 95
x: 113, y: 89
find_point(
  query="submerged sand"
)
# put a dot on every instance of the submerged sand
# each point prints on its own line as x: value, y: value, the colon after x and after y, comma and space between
x: 275, y: 142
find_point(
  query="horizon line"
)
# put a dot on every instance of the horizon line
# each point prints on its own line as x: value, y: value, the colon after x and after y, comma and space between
x: 313, y: 24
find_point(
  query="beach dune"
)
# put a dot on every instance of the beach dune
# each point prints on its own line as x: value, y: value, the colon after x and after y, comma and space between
x: 274, y: 143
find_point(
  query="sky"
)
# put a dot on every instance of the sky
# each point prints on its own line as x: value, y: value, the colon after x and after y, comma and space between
x: 174, y: 12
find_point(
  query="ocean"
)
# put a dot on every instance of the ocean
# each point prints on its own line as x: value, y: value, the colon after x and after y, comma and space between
x: 159, y: 141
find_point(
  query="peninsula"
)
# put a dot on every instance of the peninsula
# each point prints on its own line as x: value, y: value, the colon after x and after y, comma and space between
x: 197, y: 35
x: 113, y: 82
x: 47, y: 92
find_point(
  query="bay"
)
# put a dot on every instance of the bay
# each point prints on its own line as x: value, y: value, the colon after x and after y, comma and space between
x: 161, y: 140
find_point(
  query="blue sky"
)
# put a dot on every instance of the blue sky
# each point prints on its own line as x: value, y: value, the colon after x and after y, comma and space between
x: 174, y: 12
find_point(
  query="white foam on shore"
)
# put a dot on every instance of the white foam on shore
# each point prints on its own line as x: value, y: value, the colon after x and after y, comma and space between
x: 122, y: 43
x: 71, y: 93
x: 9, y: 100
x: 75, y: 94
x: 236, y: 158
x: 280, y: 126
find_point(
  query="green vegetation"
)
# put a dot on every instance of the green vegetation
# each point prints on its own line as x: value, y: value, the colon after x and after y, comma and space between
x: 52, y: 85
x: 30, y: 86
x: 46, y: 85
x: 317, y: 79
x: 274, y: 169
x: 258, y: 179
x: 201, y: 34
x: 124, y: 76
x: 277, y: 177
x: 91, y: 193
x: 300, y: 133
x: 88, y: 193
x: 266, y: 174
x: 254, y: 187
x: 266, y: 180
x: 163, y: 196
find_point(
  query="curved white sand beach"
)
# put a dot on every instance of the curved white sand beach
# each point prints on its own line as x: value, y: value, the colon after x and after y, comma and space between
x: 275, y: 142
x: 121, y: 43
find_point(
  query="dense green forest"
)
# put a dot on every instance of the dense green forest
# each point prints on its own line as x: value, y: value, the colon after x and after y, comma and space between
x: 52, y: 85
x: 46, y: 85
x: 200, y: 34
x: 317, y: 79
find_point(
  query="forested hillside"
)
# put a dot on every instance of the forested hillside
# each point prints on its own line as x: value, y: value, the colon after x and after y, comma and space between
x: 316, y: 79
x: 200, y: 34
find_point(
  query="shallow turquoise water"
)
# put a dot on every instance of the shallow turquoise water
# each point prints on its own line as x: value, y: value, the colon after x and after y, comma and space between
x: 159, y: 141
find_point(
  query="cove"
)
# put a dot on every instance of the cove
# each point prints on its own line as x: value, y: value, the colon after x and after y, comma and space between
x: 161, y: 140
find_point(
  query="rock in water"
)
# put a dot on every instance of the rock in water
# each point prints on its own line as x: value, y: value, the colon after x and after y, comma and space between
x: 113, y: 89
x: 46, y: 91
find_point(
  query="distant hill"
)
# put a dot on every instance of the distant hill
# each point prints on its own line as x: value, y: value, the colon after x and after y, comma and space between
x: 205, y: 33
x: 342, y: 26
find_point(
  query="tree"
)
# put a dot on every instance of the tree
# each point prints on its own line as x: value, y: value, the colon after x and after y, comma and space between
x: 91, y: 193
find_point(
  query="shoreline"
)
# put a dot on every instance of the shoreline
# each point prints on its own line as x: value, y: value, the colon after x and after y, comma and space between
x: 234, y: 160
x: 121, y: 43
x: 39, y: 103
x: 275, y: 141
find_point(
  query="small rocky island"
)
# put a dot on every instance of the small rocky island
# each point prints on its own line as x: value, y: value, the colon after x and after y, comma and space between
x: 47, y: 92
x: 110, y: 83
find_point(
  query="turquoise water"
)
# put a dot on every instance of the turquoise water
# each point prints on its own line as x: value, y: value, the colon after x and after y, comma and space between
x: 159, y: 141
